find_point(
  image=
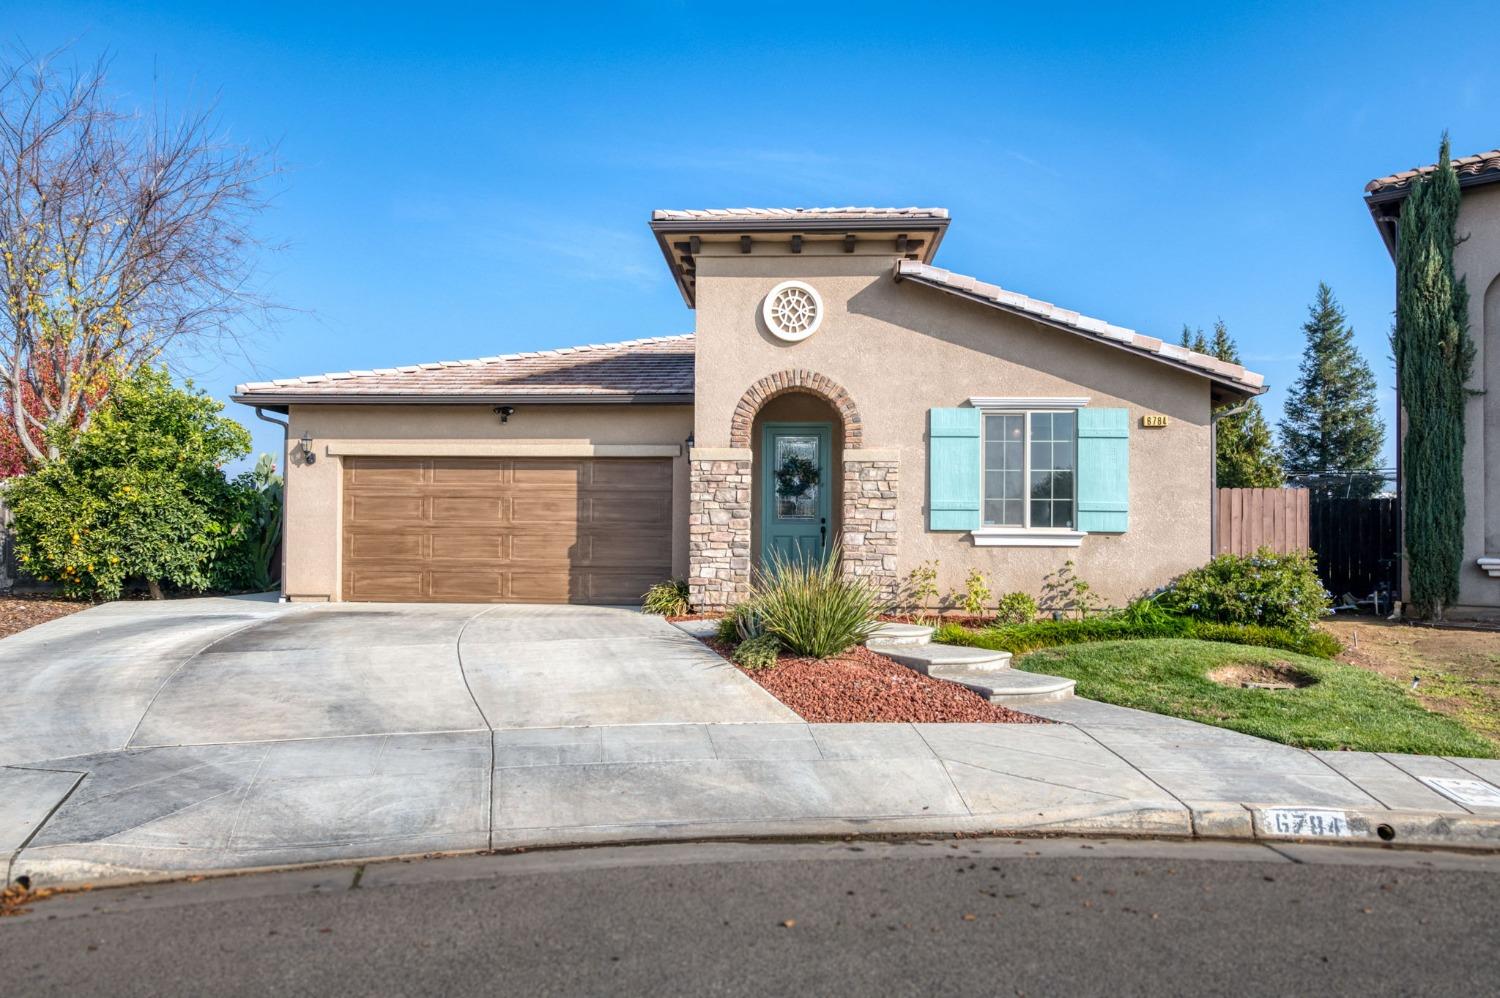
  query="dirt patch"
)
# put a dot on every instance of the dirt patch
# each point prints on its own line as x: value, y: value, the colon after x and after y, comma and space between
x: 20, y: 612
x: 1457, y: 669
x: 1261, y: 675
x: 861, y: 686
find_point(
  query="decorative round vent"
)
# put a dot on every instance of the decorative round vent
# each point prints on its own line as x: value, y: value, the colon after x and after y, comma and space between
x: 793, y: 311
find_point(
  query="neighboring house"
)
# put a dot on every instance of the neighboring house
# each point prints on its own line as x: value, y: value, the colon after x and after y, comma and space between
x: 1477, y: 261
x: 838, y: 388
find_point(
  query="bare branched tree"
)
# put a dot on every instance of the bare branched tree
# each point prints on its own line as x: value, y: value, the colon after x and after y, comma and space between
x: 122, y: 234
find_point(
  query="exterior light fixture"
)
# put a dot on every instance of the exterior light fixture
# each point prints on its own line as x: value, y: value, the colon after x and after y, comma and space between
x: 308, y: 457
x: 505, y: 412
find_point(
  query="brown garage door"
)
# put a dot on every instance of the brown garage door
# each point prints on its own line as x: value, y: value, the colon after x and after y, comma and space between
x: 505, y: 530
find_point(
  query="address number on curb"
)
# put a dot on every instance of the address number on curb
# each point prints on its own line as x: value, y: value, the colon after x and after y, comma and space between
x: 1313, y: 823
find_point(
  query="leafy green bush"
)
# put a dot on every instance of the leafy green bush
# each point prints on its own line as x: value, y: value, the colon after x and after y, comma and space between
x: 812, y: 607
x: 1063, y: 591
x: 974, y: 596
x: 669, y: 599
x: 920, y: 590
x: 137, y: 494
x: 252, y: 513
x: 1016, y: 608
x: 1022, y: 638
x: 758, y: 652
x: 1273, y: 590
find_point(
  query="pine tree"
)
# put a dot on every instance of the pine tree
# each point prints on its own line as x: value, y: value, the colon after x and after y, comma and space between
x: 1245, y: 455
x: 1332, y: 421
x: 1434, y: 358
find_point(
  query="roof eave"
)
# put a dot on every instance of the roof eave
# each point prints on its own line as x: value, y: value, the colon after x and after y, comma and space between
x: 665, y: 228
x: 278, y: 401
x: 1385, y: 203
x: 1226, y: 389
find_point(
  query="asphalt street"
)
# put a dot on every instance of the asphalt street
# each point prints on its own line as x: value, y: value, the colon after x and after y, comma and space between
x: 930, y: 917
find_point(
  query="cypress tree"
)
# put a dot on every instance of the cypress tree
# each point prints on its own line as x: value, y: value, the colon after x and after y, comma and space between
x: 1434, y: 358
x: 1245, y: 455
x: 1332, y: 421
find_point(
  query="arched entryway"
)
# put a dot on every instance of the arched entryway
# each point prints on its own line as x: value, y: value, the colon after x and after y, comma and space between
x: 731, y: 489
x: 797, y: 477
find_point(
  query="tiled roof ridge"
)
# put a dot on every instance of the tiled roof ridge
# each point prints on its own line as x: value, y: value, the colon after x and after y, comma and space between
x: 1149, y: 345
x: 317, y: 379
x: 1478, y: 163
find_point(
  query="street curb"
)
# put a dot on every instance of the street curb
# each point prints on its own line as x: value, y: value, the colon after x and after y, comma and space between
x: 1205, y: 821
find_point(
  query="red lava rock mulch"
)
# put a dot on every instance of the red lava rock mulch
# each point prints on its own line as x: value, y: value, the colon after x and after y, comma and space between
x: 20, y: 612
x: 693, y: 616
x: 861, y: 686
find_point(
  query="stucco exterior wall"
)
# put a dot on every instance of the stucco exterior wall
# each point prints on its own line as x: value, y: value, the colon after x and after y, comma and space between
x: 1477, y: 259
x: 900, y: 349
x: 312, y: 544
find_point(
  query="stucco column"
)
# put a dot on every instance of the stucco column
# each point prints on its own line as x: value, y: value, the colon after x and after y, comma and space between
x: 870, y: 537
x: 719, y: 482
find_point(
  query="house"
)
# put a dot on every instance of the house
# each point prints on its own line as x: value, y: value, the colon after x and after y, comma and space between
x: 1476, y: 260
x: 838, y: 387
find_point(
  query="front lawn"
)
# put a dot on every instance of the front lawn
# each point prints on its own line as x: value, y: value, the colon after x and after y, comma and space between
x: 1342, y: 708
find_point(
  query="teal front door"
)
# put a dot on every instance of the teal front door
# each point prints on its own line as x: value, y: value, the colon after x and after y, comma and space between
x: 794, y: 483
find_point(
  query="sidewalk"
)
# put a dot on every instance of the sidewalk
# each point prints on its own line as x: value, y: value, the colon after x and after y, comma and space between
x: 173, y: 811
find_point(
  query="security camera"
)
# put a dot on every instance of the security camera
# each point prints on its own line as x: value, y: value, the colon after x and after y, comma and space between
x: 505, y: 412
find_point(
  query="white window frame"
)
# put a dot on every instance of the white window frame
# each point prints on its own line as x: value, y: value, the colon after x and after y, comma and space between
x: 1025, y: 535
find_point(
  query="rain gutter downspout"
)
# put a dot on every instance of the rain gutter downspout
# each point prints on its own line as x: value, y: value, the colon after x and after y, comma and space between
x: 286, y: 485
x: 1213, y: 492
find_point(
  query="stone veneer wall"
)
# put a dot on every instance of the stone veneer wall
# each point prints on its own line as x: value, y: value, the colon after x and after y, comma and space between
x: 719, y: 490
x: 718, y: 528
x: 870, y: 536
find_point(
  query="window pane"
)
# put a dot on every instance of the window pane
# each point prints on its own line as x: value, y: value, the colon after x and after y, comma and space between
x: 1041, y: 513
x: 1002, y: 469
x: 1062, y: 514
x: 1063, y: 425
x: 1041, y: 456
x: 1062, y: 485
x: 1041, y: 426
x: 1041, y: 485
x: 798, y: 472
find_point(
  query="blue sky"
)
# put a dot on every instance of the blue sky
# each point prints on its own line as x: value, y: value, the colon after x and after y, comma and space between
x: 465, y: 181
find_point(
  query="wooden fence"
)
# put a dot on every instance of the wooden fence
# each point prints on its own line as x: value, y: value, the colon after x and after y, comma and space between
x: 1358, y: 543
x: 1249, y: 519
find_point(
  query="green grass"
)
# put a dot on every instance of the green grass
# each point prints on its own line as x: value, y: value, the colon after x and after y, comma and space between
x: 1346, y: 708
x: 1019, y: 639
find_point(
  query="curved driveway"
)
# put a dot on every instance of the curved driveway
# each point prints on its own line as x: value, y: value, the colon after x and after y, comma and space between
x: 143, y: 740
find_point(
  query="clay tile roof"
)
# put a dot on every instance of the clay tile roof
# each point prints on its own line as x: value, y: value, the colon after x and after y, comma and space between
x: 1484, y: 165
x: 848, y: 214
x: 1246, y: 382
x: 658, y: 367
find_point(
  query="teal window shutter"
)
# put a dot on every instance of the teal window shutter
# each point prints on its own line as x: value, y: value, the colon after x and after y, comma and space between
x: 1103, y: 470
x: 953, y: 469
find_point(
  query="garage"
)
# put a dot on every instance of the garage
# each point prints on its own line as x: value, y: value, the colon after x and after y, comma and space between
x: 505, y: 530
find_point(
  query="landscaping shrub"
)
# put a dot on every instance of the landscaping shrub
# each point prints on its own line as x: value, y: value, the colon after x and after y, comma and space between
x: 920, y: 590
x: 974, y: 596
x: 1015, y: 608
x: 1064, y: 592
x: 741, y: 623
x: 1273, y: 590
x: 811, y: 607
x: 669, y: 599
x: 137, y: 494
x: 758, y: 652
x: 252, y: 514
x: 1022, y: 638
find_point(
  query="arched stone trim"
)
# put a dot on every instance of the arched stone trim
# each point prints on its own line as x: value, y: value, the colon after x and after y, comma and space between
x: 781, y: 383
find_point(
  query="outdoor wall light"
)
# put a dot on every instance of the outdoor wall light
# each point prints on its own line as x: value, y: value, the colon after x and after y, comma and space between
x: 308, y: 457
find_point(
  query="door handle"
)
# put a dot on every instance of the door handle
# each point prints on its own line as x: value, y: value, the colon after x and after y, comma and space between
x: 823, y: 531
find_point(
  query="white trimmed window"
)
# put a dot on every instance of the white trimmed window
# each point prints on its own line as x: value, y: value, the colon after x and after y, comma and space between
x: 1030, y: 460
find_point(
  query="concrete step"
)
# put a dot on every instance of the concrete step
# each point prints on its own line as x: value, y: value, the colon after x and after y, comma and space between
x: 1012, y: 687
x: 902, y: 634
x: 949, y: 658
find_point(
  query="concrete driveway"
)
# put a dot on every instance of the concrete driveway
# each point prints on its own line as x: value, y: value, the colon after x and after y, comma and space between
x: 220, y: 671
x: 141, y: 740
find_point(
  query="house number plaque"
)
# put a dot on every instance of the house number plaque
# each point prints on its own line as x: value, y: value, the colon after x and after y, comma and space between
x: 1154, y: 421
